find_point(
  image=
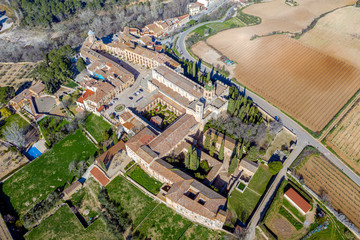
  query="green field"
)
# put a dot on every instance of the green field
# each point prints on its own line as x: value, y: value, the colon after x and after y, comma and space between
x: 164, y: 223
x: 37, y: 179
x: 70, y: 228
x: 198, y: 232
x: 244, y: 203
x: 142, y: 178
x: 96, y: 126
x: 214, y: 28
x: 134, y: 202
x: 293, y: 210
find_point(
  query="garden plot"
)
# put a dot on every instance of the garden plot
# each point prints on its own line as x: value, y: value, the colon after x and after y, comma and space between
x: 167, y: 116
x: 344, y: 139
x: 326, y: 180
x: 10, y: 159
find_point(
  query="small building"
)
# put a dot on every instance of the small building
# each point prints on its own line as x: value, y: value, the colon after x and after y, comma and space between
x: 195, y: 7
x: 100, y: 176
x: 248, y: 167
x: 73, y: 188
x: 157, y: 121
x: 297, y: 200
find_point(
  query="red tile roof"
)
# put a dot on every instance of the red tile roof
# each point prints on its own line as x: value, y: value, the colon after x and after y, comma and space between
x: 86, y: 94
x: 298, y: 200
x: 99, y: 176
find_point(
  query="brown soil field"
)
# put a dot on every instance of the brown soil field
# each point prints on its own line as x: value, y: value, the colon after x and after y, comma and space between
x: 340, y: 26
x: 344, y: 139
x: 306, y: 83
x: 15, y: 74
x: 323, y: 177
x: 9, y: 160
x: 282, y: 228
x: 211, y: 56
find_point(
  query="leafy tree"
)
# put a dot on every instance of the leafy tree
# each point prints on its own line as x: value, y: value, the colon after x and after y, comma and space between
x: 205, y: 165
x: 252, y: 154
x: 207, y: 141
x: 233, y: 165
x: 221, y: 152
x: 116, y: 140
x: 105, y: 135
x: 5, y: 112
x: 80, y: 64
x: 6, y: 93
x: 275, y: 167
x: 15, y: 134
x: 357, y: 3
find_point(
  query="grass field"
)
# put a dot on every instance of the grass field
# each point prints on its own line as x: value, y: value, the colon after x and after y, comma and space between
x: 244, y: 203
x: 164, y: 224
x: 64, y: 225
x: 134, y: 202
x: 16, y: 119
x: 142, y: 178
x: 36, y: 180
x: 45, y: 129
x: 96, y: 126
x: 213, y: 28
x: 321, y: 176
x: 198, y: 232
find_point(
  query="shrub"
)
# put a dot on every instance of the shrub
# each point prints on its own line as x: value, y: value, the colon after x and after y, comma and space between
x: 275, y: 167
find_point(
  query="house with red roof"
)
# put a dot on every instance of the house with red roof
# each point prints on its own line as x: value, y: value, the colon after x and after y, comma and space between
x: 297, y: 200
x: 100, y: 176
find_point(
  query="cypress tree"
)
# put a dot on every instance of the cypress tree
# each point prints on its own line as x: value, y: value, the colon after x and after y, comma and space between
x: 231, y: 106
x: 194, y: 161
x: 208, y: 78
x: 187, y: 157
x: 221, y: 152
x: 207, y: 141
x: 233, y: 165
x: 194, y: 70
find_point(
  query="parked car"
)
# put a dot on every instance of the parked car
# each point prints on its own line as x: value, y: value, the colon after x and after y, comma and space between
x: 131, y: 98
x: 141, y: 90
x: 137, y: 93
x: 116, y: 99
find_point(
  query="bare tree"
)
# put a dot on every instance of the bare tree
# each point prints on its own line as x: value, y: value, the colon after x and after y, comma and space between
x: 15, y: 134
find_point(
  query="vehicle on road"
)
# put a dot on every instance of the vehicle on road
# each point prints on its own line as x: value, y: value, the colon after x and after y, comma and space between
x: 277, y: 118
x: 131, y: 98
x: 141, y: 90
x: 116, y: 99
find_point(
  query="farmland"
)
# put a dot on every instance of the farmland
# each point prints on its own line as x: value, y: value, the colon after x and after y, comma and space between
x: 344, y: 139
x: 36, y: 180
x: 299, y: 79
x: 326, y: 180
x: 15, y: 74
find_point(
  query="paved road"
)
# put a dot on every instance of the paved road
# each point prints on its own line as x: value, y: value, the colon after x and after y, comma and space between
x: 303, y: 137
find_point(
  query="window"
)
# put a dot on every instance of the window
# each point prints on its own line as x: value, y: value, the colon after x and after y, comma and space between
x: 202, y: 202
x: 191, y: 195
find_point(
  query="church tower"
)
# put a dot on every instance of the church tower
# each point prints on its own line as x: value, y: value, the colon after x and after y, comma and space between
x: 209, y: 91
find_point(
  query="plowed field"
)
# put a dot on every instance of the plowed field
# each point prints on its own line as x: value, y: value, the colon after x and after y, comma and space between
x: 305, y: 82
x: 345, y: 138
x: 321, y: 176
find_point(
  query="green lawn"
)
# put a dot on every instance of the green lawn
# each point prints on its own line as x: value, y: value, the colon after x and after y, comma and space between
x: 64, y: 225
x: 96, y: 126
x: 134, y: 201
x: 164, y: 223
x: 15, y: 118
x: 198, y: 232
x: 260, y: 179
x: 293, y: 210
x: 142, y: 178
x: 244, y: 203
x: 49, y: 171
x: 217, y: 27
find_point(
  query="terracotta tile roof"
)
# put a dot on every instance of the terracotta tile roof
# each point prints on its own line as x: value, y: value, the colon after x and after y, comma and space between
x: 109, y: 154
x: 181, y: 81
x: 85, y: 95
x: 173, y: 135
x: 249, y: 165
x: 72, y: 188
x: 100, y: 176
x: 125, y: 116
x: 213, y: 202
x: 37, y: 88
x: 128, y: 125
x: 298, y: 199
x: 138, y: 140
x: 167, y: 171
x: 170, y: 92
x: 26, y: 94
x: 181, y: 18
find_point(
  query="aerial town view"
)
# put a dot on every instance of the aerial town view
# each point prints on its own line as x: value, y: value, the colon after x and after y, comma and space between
x: 180, y: 119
